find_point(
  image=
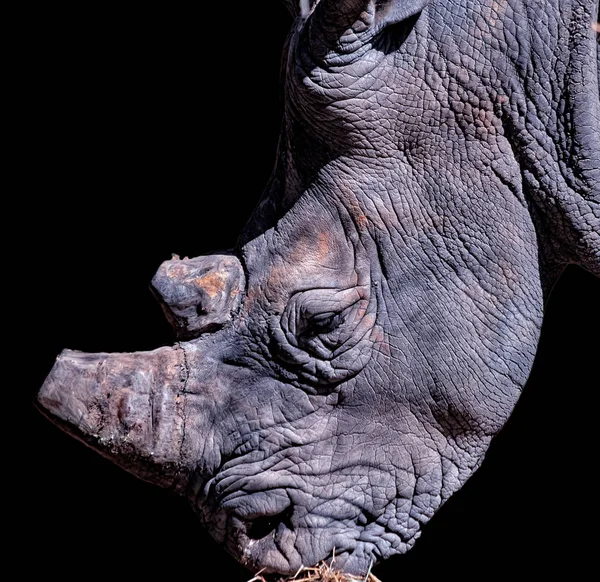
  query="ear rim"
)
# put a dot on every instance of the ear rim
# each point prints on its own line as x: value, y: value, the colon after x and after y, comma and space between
x: 293, y: 7
x: 301, y: 8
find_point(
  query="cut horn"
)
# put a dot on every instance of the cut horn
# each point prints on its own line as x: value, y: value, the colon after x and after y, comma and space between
x: 199, y: 295
x: 127, y: 406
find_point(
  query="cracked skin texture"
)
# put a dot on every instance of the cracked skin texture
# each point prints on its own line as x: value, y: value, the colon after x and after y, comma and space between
x: 438, y: 168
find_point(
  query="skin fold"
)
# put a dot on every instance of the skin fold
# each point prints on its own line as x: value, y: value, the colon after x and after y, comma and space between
x: 343, y: 371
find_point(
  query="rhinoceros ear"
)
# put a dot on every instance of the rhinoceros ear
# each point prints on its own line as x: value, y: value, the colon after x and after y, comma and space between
x: 306, y: 7
x: 297, y: 7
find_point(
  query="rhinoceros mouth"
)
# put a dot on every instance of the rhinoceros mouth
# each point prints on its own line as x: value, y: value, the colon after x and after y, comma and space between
x: 274, y: 532
x: 260, y: 542
x: 273, y: 544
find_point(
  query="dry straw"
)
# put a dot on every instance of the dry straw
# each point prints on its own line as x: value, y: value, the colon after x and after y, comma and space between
x: 321, y: 573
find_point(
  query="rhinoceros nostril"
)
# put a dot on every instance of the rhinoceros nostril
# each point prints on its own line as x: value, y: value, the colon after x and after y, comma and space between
x: 262, y: 526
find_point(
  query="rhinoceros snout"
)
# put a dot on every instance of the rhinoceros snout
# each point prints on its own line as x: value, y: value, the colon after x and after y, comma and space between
x: 150, y: 411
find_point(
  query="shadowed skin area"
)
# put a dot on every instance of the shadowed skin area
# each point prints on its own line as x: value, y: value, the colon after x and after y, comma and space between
x: 344, y: 371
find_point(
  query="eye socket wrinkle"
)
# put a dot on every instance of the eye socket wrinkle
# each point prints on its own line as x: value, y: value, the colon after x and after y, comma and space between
x: 321, y: 324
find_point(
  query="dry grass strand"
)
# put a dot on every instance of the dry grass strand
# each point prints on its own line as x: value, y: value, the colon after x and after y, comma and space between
x: 321, y: 573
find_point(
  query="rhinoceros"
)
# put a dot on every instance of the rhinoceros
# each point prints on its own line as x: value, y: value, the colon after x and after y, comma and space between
x: 342, y: 371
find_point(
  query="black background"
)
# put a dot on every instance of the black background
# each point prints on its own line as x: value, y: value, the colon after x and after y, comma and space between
x: 151, y: 133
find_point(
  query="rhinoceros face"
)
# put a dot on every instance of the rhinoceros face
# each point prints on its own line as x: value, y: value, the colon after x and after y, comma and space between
x: 343, y: 372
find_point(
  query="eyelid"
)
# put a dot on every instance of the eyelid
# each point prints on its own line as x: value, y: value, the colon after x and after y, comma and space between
x: 328, y: 355
x: 321, y: 319
x: 306, y: 307
x: 316, y: 301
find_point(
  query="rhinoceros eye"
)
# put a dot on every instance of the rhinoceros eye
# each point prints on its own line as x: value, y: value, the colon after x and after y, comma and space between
x: 322, y: 332
x: 320, y: 324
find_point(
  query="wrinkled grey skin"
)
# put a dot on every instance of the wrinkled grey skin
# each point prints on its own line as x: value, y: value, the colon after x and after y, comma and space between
x: 345, y: 371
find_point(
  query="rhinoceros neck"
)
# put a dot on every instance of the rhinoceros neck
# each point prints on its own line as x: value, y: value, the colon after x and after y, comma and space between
x: 551, y: 118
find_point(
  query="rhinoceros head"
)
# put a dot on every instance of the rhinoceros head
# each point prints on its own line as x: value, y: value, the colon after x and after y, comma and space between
x: 342, y: 371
